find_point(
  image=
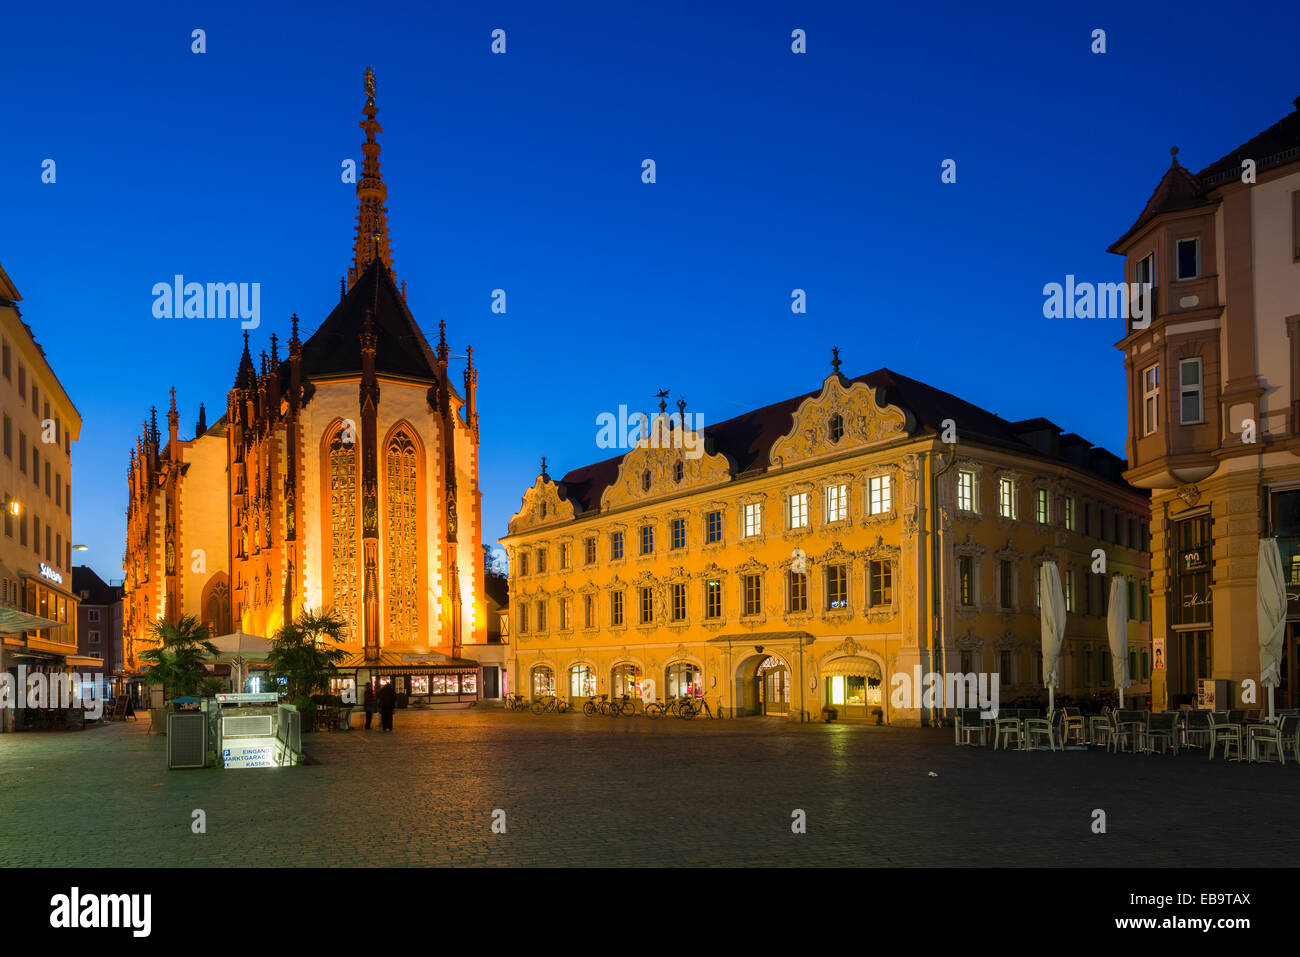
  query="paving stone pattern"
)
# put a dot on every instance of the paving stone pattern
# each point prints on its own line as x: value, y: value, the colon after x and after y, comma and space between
x: 580, y: 791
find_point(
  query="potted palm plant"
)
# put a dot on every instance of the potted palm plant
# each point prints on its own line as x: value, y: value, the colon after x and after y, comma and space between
x: 305, y: 652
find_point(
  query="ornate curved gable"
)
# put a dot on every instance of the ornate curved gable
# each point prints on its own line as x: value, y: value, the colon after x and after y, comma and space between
x: 660, y: 453
x: 863, y: 422
x: 542, y: 505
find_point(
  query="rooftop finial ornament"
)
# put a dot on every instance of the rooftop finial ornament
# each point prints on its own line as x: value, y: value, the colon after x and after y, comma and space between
x: 1173, y: 151
x: 662, y: 396
x: 544, y: 475
x: 370, y: 86
x: 835, y: 359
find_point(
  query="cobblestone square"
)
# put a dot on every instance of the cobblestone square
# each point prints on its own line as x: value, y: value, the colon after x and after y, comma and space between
x: 597, y: 791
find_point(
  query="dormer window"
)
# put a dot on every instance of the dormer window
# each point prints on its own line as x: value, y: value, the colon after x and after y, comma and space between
x: 835, y: 427
x: 1189, y: 258
x: 543, y: 510
x: 645, y: 481
x: 678, y: 471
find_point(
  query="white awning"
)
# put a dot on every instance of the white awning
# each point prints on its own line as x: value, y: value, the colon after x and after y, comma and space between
x: 853, y: 665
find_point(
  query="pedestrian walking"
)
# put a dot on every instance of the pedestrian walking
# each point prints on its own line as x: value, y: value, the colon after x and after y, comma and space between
x: 387, y: 702
x: 370, y: 702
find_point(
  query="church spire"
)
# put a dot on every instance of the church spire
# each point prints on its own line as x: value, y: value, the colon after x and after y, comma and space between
x: 372, y: 216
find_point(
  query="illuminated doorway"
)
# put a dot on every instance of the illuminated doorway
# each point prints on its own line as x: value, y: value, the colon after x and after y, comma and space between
x: 773, y: 679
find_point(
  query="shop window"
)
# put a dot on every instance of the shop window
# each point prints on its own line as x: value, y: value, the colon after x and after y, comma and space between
x: 582, y: 682
x: 682, y: 680
x: 626, y: 680
x: 543, y: 681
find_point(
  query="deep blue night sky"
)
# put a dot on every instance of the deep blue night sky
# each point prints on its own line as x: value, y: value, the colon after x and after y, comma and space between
x: 523, y: 172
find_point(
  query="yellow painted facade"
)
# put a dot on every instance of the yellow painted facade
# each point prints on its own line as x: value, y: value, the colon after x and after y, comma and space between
x: 40, y: 423
x: 685, y: 576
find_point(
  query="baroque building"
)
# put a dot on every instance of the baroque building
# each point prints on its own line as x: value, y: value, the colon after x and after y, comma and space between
x: 1213, y: 385
x: 341, y: 475
x: 802, y: 555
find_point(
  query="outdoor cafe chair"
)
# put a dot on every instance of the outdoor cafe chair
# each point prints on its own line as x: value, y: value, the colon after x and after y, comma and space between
x: 970, y: 725
x: 1075, y: 725
x: 1225, y: 732
x: 1008, y: 729
x: 1289, y: 735
x: 1269, y: 735
x: 1196, y: 729
x: 1038, y: 727
x: 1129, y: 727
x: 1162, y: 728
x: 1101, y: 728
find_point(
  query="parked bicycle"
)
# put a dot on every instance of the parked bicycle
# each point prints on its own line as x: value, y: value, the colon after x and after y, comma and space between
x: 613, y: 709
x: 671, y: 708
x: 696, y: 706
x: 516, y: 702
x: 550, y: 703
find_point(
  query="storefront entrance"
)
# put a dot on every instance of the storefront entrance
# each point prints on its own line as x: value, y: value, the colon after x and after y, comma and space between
x: 853, y: 689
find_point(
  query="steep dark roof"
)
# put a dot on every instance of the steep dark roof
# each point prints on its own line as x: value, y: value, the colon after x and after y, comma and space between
x: 1280, y: 138
x: 747, y: 439
x: 99, y: 592
x: 498, y: 589
x: 1178, y: 189
x: 400, y: 348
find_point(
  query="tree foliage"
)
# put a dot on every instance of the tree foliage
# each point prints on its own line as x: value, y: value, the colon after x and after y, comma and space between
x: 305, y: 652
x: 177, y: 662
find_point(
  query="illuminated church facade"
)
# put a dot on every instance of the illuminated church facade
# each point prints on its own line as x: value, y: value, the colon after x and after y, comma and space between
x: 343, y: 474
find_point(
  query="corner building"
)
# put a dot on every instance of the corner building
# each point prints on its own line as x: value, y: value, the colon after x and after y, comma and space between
x: 1213, y: 385
x: 38, y: 606
x: 803, y: 559
x: 343, y: 476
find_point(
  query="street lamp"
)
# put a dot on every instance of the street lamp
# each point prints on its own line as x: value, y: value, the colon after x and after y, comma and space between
x: 12, y: 505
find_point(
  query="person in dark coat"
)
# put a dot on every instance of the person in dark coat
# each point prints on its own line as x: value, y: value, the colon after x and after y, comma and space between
x: 387, y: 702
x: 370, y: 702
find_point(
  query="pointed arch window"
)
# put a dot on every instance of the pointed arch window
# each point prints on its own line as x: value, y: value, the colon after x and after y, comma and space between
x: 343, y: 529
x: 401, y: 555
x: 216, y: 609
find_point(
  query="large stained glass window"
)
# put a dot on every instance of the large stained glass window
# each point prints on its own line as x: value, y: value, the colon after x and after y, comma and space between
x: 400, y: 550
x: 343, y: 529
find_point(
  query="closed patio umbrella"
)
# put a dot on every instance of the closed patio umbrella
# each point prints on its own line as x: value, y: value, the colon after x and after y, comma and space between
x: 1117, y: 630
x: 1052, y: 600
x: 1270, y: 612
